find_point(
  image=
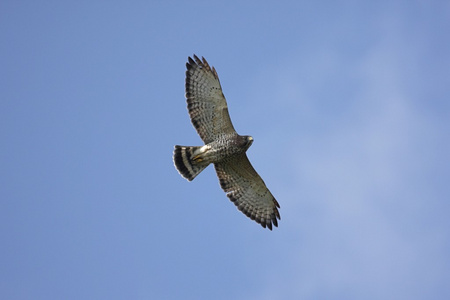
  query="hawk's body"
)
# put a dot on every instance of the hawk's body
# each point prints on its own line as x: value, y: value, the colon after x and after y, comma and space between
x: 223, y: 147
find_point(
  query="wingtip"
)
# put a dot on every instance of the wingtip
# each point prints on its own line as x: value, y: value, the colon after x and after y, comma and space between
x: 195, y: 62
x: 190, y: 63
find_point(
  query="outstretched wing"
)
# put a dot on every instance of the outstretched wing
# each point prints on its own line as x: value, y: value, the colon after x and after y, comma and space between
x: 206, y: 103
x: 247, y: 190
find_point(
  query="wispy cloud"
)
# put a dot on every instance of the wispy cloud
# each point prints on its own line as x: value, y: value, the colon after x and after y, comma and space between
x: 357, y: 208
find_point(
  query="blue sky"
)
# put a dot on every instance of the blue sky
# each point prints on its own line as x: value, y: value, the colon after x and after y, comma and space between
x: 348, y: 103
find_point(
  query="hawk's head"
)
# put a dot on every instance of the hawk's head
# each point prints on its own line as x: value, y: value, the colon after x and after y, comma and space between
x: 249, y: 140
x: 243, y: 142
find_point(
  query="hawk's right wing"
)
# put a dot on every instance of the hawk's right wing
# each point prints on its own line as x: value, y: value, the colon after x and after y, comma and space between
x: 206, y: 103
x: 247, y: 190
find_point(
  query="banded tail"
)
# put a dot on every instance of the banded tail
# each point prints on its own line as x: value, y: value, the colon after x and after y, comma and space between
x: 187, y: 162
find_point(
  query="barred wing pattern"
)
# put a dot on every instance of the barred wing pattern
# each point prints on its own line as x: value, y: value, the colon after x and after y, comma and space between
x: 225, y: 148
x: 206, y: 103
x: 247, y: 190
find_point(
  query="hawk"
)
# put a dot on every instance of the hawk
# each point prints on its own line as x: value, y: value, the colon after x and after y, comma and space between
x: 223, y: 147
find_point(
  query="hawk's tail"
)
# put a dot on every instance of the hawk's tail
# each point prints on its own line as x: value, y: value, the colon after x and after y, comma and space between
x: 183, y: 158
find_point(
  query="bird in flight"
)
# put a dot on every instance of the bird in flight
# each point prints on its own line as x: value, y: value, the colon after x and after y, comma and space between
x: 223, y: 148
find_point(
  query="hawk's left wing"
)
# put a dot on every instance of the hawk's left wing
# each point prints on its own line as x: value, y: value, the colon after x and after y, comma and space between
x: 206, y: 103
x: 247, y: 190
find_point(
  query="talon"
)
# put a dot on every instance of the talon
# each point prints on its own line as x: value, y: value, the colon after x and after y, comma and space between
x: 197, y: 158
